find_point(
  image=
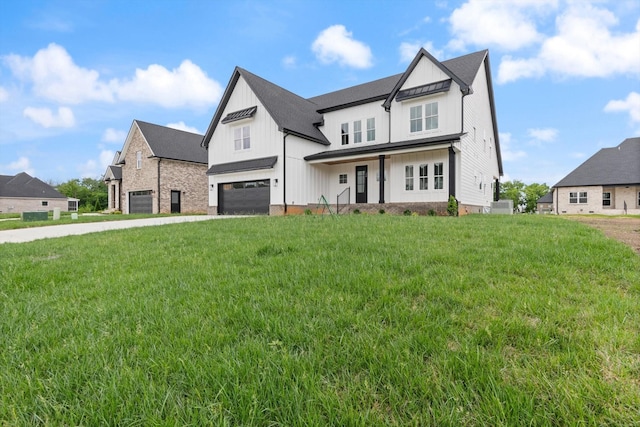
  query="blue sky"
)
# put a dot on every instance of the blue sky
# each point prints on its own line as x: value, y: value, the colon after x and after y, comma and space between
x: 75, y: 74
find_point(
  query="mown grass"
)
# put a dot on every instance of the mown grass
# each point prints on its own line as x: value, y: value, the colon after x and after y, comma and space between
x: 13, y: 222
x: 357, y: 320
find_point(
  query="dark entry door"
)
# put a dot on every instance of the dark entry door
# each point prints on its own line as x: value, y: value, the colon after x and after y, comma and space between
x: 361, y: 184
x: 175, y: 201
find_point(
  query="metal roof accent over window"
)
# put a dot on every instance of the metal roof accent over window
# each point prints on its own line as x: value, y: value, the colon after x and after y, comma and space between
x: 423, y: 90
x: 239, y: 115
x: 243, y: 166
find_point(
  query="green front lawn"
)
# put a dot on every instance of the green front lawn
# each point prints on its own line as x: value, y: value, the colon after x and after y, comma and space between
x: 298, y: 321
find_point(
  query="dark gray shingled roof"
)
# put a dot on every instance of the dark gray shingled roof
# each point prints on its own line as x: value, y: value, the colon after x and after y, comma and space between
x: 610, y: 166
x: 116, y: 171
x: 301, y: 116
x: 380, y: 148
x: 168, y: 143
x: 24, y: 185
x: 243, y: 166
x: 547, y: 198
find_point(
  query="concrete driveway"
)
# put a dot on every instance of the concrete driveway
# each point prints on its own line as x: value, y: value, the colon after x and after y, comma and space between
x: 35, y: 233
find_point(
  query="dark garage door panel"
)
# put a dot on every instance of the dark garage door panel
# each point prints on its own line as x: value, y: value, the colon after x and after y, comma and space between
x: 140, y: 202
x: 247, y: 197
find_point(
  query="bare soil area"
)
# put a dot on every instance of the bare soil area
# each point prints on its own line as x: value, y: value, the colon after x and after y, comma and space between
x: 624, y: 229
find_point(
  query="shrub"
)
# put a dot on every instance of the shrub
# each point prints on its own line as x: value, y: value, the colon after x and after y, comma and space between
x: 307, y: 212
x: 381, y: 211
x: 431, y: 212
x: 452, y: 207
x: 356, y: 211
x: 407, y: 212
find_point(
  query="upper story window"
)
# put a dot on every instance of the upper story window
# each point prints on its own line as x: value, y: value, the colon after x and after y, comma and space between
x: 428, y: 121
x: 408, y: 177
x: 371, y: 129
x: 138, y: 159
x: 344, y: 129
x: 357, y: 131
x: 424, y: 177
x: 242, y: 138
x: 438, y: 176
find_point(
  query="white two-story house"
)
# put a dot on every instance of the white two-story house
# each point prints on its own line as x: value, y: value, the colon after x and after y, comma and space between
x: 402, y: 143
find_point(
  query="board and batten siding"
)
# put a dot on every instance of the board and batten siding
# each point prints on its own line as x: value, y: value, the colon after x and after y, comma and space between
x: 478, y: 159
x: 333, y: 121
x: 397, y: 177
x: 266, y: 141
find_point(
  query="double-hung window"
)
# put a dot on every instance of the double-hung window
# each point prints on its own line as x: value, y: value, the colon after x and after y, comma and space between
x: 606, y: 198
x: 424, y: 177
x: 419, y: 122
x: 431, y: 116
x: 138, y: 159
x: 438, y: 176
x: 371, y: 129
x: 578, y: 197
x: 242, y: 138
x: 344, y: 132
x: 408, y: 177
x: 416, y: 118
x: 357, y: 131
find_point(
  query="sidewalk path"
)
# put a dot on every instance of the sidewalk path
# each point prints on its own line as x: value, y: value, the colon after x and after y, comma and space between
x: 29, y: 234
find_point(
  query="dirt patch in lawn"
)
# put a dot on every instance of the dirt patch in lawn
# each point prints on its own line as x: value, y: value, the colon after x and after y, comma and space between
x: 624, y: 229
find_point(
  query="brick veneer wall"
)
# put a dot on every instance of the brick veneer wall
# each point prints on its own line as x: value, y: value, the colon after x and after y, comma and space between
x: 188, y: 178
x: 19, y: 205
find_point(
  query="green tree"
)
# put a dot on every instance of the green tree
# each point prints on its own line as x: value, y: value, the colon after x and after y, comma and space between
x: 531, y: 195
x: 514, y: 190
x: 92, y: 193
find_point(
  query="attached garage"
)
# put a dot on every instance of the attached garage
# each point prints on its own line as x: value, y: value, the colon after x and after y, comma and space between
x: 140, y: 202
x: 244, y: 198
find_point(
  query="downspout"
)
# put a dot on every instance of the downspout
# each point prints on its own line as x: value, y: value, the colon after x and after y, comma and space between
x: 452, y: 153
x: 159, y: 184
x: 284, y: 170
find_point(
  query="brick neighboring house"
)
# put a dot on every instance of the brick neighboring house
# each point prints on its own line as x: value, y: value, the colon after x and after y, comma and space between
x: 24, y: 193
x: 159, y: 170
x: 606, y: 183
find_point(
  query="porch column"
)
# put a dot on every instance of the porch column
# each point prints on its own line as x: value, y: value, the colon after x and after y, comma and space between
x: 381, y: 174
x: 452, y: 172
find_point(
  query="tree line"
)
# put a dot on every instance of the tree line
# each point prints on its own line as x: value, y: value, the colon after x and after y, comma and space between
x: 92, y: 193
x: 525, y: 197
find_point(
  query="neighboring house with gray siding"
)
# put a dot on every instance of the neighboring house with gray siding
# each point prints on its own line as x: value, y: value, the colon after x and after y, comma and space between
x: 403, y: 142
x: 159, y: 170
x: 606, y: 183
x: 24, y: 193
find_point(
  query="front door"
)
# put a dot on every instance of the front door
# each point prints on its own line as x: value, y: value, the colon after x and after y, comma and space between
x: 175, y: 201
x: 361, y: 184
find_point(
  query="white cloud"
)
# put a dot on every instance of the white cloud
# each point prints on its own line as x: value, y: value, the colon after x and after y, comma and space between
x: 113, y: 135
x: 583, y: 46
x: 55, y: 76
x: 48, y: 119
x: 508, y: 155
x: 89, y: 169
x: 182, y: 126
x: 289, y: 61
x: 543, y: 135
x: 409, y: 50
x: 631, y: 105
x: 185, y: 86
x: 4, y: 95
x: 106, y: 157
x: 507, y: 25
x: 336, y: 44
x: 23, y: 164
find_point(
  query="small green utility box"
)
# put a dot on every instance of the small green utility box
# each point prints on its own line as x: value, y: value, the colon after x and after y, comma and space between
x: 35, y: 216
